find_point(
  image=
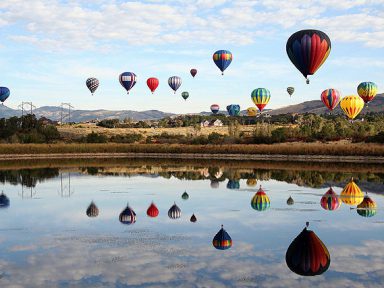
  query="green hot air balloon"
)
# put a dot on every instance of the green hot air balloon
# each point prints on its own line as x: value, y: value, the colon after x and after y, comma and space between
x: 185, y: 95
x: 290, y: 91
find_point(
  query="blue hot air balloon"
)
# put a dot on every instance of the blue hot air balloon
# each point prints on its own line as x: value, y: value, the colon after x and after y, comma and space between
x: 233, y: 184
x: 222, y: 240
x: 222, y: 59
x: 127, y: 216
x: 233, y: 110
x: 4, y: 200
x: 174, y: 82
x: 4, y: 94
x: 127, y: 80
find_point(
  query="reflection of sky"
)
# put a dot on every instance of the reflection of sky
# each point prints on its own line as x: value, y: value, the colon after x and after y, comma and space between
x: 49, y: 241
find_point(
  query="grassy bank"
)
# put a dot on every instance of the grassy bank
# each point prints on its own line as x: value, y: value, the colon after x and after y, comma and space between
x: 326, y: 149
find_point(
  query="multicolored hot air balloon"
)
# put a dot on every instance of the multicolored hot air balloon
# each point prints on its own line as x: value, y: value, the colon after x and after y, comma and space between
x: 4, y: 94
x: 193, y: 72
x: 222, y: 240
x: 174, y: 212
x: 290, y: 90
x: 4, y: 200
x: 251, y: 111
x: 367, y: 91
x: 127, y: 80
x: 152, y: 84
x: 308, y: 50
x: 233, y: 184
x: 352, y: 106
x: 330, y: 98
x: 330, y: 200
x: 260, y: 201
x: 290, y: 201
x: 185, y: 95
x: 92, y: 210
x: 127, y: 216
x: 222, y: 59
x: 233, y: 110
x: 92, y: 84
x: 193, y: 218
x: 185, y: 196
x: 251, y: 182
x: 174, y: 82
x: 152, y: 210
x: 260, y: 97
x: 215, y: 108
x: 307, y: 255
x: 351, y: 194
x: 367, y: 208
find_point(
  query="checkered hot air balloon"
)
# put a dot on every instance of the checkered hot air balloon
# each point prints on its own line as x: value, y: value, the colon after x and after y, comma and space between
x: 367, y: 91
x: 330, y: 200
x: 260, y: 201
x: 152, y: 210
x: 260, y: 97
x: 367, y: 208
x: 127, y: 216
x: 222, y: 240
x: 222, y: 59
x: 307, y: 255
x: 92, y: 210
x: 127, y: 80
x: 174, y: 212
x: 174, y: 82
x: 351, y: 106
x: 4, y: 200
x: 351, y: 194
x: 330, y: 98
x: 92, y: 84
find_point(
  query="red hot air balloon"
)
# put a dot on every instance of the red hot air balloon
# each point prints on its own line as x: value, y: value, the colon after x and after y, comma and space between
x: 330, y: 200
x: 152, y: 83
x: 193, y: 72
x: 152, y: 210
x: 330, y: 98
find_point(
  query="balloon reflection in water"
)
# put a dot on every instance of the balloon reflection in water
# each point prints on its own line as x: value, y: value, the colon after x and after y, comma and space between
x: 233, y: 184
x: 185, y: 196
x: 4, y: 200
x: 127, y: 216
x: 193, y: 218
x: 152, y: 210
x: 330, y: 200
x: 92, y: 210
x: 174, y: 212
x: 222, y: 240
x: 367, y: 208
x: 307, y: 254
x: 290, y: 201
x: 251, y: 182
x: 351, y: 194
x: 260, y: 201
x: 215, y: 184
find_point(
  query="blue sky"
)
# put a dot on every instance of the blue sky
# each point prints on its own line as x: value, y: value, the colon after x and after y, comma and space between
x: 50, y: 47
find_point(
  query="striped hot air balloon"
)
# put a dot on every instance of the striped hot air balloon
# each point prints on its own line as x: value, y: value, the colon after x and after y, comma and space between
x: 351, y: 194
x: 261, y: 97
x: 152, y: 210
x: 174, y: 82
x: 215, y: 108
x: 367, y: 91
x: 4, y: 200
x: 92, y: 84
x: 330, y: 98
x: 174, y: 212
x: 260, y: 201
x: 222, y: 240
x: 127, y: 216
x: 367, y: 208
x: 222, y: 59
x: 127, y: 80
x: 330, y: 200
x: 92, y: 210
x: 307, y: 255
x: 352, y: 106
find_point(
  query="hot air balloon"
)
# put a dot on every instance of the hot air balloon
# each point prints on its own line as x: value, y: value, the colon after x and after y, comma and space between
x: 174, y: 82
x: 185, y: 196
x: 127, y: 80
x: 92, y: 84
x: 367, y: 208
x: 222, y: 240
x: 251, y: 111
x: 330, y: 200
x: 215, y: 108
x: 308, y: 50
x: 152, y: 210
x: 193, y: 72
x: 152, y: 84
x: 290, y: 90
x: 127, y: 216
x: 185, y: 95
x: 352, y: 106
x: 4, y: 200
x: 290, y: 201
x: 233, y: 184
x: 4, y: 94
x: 260, y: 201
x: 233, y: 110
x: 307, y: 255
x: 351, y: 194
x: 367, y: 91
x: 193, y: 218
x: 251, y: 182
x: 330, y: 98
x: 215, y: 184
x: 92, y: 210
x: 222, y: 59
x: 174, y: 212
x: 260, y: 97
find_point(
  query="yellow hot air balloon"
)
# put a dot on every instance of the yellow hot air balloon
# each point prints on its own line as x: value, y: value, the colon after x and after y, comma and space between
x: 352, y: 105
x: 251, y: 111
x: 251, y: 182
x: 367, y: 208
x: 351, y: 194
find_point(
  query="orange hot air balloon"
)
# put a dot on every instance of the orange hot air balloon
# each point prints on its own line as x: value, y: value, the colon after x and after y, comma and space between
x: 152, y: 210
x: 351, y: 194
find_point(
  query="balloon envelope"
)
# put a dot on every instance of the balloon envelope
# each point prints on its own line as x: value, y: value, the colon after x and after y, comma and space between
x: 152, y: 84
x: 260, y: 201
x: 222, y: 59
x: 251, y: 182
x: 215, y: 108
x: 4, y: 200
x: 290, y: 201
x: 367, y: 91
x: 4, y: 93
x: 260, y: 97
x: 174, y: 82
x: 127, y: 216
x: 290, y: 90
x: 193, y: 218
x: 92, y: 84
x: 351, y: 105
x: 127, y: 80
x: 92, y: 210
x: 185, y: 196
x: 330, y: 200
x: 351, y: 194
x: 193, y: 72
x: 233, y: 110
x: 185, y: 95
x: 367, y: 208
x: 152, y: 210
x: 233, y: 184
x: 174, y: 212
x: 222, y: 240
x: 330, y: 98
x: 251, y: 111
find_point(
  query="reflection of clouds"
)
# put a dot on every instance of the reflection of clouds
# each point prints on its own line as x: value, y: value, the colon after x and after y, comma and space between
x: 17, y: 248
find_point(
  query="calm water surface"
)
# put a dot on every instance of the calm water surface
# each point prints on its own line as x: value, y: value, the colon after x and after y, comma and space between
x: 47, y: 239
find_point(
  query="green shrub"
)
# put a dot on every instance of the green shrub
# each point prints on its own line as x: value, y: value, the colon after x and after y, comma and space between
x: 96, y: 138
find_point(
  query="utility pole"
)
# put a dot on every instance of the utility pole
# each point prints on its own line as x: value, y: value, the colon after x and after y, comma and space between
x: 65, y: 112
x: 29, y: 106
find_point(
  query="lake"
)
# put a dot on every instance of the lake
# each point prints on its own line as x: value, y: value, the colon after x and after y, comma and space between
x: 49, y: 239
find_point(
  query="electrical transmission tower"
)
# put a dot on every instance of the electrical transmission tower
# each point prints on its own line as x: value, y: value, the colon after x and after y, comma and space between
x: 65, y: 112
x: 26, y: 108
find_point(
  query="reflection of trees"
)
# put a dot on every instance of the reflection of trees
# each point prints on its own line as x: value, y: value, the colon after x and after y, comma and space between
x: 27, y: 177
